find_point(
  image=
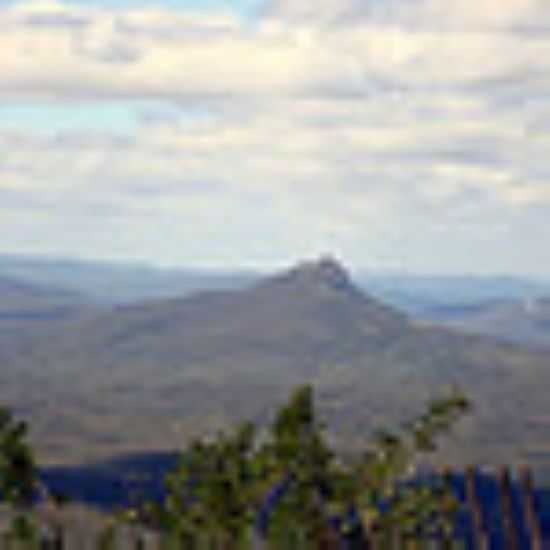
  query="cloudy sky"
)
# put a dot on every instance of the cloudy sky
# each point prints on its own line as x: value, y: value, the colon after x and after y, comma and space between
x: 395, y: 134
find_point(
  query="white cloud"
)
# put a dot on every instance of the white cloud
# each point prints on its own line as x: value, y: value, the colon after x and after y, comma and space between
x: 377, y: 129
x: 157, y: 53
x: 426, y: 13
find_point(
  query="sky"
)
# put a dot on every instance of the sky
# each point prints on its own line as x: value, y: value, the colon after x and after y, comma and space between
x: 394, y: 134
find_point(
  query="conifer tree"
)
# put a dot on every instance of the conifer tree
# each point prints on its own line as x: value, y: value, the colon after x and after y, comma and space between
x: 292, y: 490
x: 17, y: 466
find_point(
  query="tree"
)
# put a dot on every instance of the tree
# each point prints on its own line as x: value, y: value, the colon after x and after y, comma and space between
x: 210, y: 501
x: 293, y: 490
x: 17, y: 466
x: 17, y: 475
x: 297, y: 457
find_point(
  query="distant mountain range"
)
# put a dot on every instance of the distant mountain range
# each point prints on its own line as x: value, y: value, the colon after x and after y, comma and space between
x: 148, y: 376
x: 42, y: 289
x: 111, y: 283
x: 21, y: 300
x: 418, y: 295
x: 525, y: 322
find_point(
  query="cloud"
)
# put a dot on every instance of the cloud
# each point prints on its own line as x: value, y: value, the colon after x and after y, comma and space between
x: 52, y: 50
x: 380, y: 130
x: 434, y: 14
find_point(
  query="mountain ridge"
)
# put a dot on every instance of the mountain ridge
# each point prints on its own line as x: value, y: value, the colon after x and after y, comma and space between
x: 148, y: 376
x: 524, y: 322
x: 126, y: 282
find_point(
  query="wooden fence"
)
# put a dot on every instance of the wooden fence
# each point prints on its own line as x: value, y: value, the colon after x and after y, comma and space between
x: 509, y: 518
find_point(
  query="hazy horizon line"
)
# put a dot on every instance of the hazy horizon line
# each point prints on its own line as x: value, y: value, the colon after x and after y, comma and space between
x: 255, y: 268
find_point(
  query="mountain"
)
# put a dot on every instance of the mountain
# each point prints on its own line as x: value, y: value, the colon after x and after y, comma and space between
x: 312, y: 313
x: 27, y: 307
x: 525, y: 322
x: 24, y: 300
x: 149, y: 376
x: 28, y: 310
x: 110, y: 282
x: 126, y: 282
x: 419, y: 294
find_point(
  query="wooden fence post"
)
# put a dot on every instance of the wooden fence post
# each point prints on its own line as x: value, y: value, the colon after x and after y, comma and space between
x: 481, y: 539
x: 151, y: 540
x: 51, y: 537
x: 372, y: 538
x: 525, y: 476
x: 510, y: 528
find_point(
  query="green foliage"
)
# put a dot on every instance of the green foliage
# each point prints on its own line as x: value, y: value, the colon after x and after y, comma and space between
x: 219, y: 486
x: 210, y: 501
x: 216, y: 491
x: 24, y: 530
x: 297, y: 452
x: 381, y: 473
x: 17, y: 466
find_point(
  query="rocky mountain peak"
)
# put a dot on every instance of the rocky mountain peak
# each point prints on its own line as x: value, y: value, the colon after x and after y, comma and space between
x: 324, y: 272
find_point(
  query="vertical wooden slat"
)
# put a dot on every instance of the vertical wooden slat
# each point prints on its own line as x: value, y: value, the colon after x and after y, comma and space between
x: 379, y: 538
x: 151, y: 540
x: 134, y: 538
x: 509, y: 524
x: 51, y: 537
x: 329, y: 540
x: 525, y: 476
x: 139, y: 539
x: 376, y: 540
x: 481, y: 539
x: 396, y: 538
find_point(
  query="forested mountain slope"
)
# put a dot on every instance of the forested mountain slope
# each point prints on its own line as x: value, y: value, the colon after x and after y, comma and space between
x: 149, y: 375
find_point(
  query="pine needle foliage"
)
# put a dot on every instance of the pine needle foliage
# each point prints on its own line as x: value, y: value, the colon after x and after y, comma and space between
x: 17, y: 465
x: 291, y: 491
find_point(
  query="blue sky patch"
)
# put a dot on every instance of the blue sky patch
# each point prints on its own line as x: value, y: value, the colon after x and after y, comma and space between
x: 120, y: 117
x: 242, y: 7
